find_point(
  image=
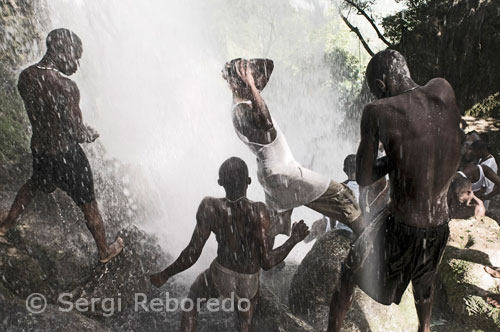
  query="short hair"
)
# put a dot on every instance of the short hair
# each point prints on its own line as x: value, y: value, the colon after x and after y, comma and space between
x: 233, y: 173
x: 388, y: 62
x: 460, y: 183
x: 479, y: 145
x: 350, y: 164
x: 62, y: 40
x: 262, y: 66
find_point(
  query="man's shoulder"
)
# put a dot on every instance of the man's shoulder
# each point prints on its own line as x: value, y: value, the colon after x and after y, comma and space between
x: 439, y: 82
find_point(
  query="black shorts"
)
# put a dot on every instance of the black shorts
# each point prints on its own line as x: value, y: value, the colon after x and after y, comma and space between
x: 70, y: 171
x: 389, y: 254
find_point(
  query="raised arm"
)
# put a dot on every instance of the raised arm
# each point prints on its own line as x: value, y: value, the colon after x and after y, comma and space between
x: 368, y: 168
x: 271, y: 257
x: 260, y: 113
x: 192, y: 252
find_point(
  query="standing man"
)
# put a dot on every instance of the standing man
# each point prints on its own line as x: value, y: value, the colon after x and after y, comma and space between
x: 419, y: 127
x: 52, y: 103
x: 286, y: 183
x: 241, y: 228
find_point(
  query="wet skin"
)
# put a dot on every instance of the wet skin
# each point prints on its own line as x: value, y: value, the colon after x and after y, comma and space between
x: 240, y: 227
x: 422, y: 139
x: 52, y: 103
x: 419, y: 128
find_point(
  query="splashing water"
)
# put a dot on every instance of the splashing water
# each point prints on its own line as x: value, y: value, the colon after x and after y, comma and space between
x: 151, y: 84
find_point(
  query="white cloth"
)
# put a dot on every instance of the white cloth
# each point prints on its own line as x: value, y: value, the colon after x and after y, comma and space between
x: 286, y: 183
x: 482, y: 183
x: 491, y: 163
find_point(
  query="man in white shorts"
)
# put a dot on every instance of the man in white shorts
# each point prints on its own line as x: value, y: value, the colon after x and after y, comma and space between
x: 286, y: 183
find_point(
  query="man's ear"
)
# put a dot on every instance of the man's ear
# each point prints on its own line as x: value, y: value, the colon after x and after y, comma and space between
x: 249, y: 180
x: 381, y: 85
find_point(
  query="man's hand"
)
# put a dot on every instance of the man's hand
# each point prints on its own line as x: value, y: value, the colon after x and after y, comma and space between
x: 299, y: 231
x: 245, y: 72
x: 91, y: 134
x: 158, y: 279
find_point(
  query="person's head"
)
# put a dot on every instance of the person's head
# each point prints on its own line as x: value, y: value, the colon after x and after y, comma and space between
x: 385, y: 71
x: 233, y: 175
x: 480, y: 149
x: 350, y: 166
x: 461, y: 188
x: 64, y: 48
x: 262, y: 69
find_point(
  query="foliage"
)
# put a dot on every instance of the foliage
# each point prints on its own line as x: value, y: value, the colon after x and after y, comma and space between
x: 488, y: 107
x: 345, y: 73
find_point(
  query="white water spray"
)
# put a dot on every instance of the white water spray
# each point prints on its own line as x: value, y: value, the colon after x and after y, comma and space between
x: 150, y: 83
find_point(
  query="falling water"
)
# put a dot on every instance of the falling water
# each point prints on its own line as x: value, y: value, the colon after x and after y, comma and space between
x: 150, y: 84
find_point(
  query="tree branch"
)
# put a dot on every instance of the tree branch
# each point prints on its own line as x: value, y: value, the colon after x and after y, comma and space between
x: 360, y: 36
x: 369, y: 19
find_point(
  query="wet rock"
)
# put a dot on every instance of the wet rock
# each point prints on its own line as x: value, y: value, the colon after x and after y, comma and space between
x: 473, y: 243
x: 14, y: 317
x: 314, y: 282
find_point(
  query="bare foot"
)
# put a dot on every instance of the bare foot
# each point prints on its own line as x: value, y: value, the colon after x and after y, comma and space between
x: 493, y: 271
x: 494, y: 300
x: 113, y: 250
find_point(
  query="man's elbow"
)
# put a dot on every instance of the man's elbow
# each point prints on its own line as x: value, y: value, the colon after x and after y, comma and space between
x: 363, y: 180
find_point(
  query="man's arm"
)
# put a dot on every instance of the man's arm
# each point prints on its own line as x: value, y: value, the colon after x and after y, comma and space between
x: 271, y: 257
x: 479, y: 209
x: 368, y: 168
x: 83, y: 133
x: 192, y: 252
x: 260, y: 113
x: 493, y: 177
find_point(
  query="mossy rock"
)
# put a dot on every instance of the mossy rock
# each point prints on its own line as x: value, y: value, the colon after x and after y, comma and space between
x: 473, y: 244
x: 488, y: 107
x: 14, y: 124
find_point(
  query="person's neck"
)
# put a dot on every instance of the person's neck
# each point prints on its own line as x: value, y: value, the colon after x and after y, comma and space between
x: 236, y: 195
x: 48, y: 62
x: 403, y: 86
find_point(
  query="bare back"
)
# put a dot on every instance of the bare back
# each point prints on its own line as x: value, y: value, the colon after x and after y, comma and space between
x: 422, y: 138
x: 236, y: 226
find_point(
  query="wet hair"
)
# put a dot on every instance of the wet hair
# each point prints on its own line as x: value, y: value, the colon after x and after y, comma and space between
x: 460, y: 183
x: 62, y: 40
x: 350, y: 164
x: 390, y: 63
x: 479, y: 145
x: 233, y: 173
x: 261, y: 66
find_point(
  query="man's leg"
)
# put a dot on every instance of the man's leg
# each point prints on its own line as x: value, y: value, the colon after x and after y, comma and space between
x: 22, y: 200
x: 245, y: 316
x: 423, y: 293
x: 339, y: 203
x: 341, y: 300
x: 96, y: 226
x: 202, y: 288
x: 493, y: 299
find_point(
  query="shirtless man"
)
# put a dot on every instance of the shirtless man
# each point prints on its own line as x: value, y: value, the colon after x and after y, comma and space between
x: 241, y: 228
x: 286, y: 183
x: 419, y: 127
x: 52, y: 103
x: 462, y: 202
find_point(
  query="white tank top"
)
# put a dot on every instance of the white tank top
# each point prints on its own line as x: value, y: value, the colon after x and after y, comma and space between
x: 286, y: 183
x: 481, y: 182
